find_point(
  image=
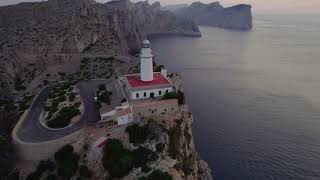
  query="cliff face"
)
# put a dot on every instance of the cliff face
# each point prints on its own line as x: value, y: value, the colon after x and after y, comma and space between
x: 37, y: 36
x: 213, y: 14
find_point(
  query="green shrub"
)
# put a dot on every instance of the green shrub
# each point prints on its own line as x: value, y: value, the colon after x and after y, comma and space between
x: 160, y: 147
x: 104, y: 97
x: 175, y: 95
x: 142, y: 156
x: 84, y: 172
x: 145, y: 169
x: 157, y: 175
x: 72, y: 96
x: 67, y: 162
x: 98, y: 105
x: 137, y: 134
x: 102, y: 87
x: 123, y: 100
x: 25, y: 102
x: 77, y: 105
x: 85, y: 60
x: 43, y: 166
x: 51, y: 177
x: 174, y: 141
x: 187, y: 164
x: 63, y: 117
x: 62, y: 98
x: 46, y: 82
x: 10, y: 107
x: 119, y: 161
x: 116, y: 159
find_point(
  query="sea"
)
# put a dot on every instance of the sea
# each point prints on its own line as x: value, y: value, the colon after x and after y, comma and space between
x: 254, y: 95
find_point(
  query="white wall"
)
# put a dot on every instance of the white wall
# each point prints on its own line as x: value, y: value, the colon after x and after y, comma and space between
x: 146, y: 66
x: 125, y: 119
x: 148, y: 92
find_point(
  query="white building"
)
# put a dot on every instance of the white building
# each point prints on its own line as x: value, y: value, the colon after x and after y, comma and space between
x: 148, y: 84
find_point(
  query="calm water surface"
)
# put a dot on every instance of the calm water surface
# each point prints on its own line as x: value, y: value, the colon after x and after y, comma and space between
x: 255, y: 96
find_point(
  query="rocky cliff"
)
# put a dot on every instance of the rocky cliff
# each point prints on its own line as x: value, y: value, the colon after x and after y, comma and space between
x: 42, y: 38
x: 213, y: 14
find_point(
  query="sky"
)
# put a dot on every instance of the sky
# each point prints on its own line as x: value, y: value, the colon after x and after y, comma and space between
x: 274, y: 6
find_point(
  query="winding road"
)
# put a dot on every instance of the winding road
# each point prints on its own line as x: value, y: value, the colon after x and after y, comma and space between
x: 31, y: 131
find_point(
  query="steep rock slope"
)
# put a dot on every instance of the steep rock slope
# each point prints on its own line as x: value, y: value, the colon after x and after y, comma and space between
x: 213, y: 14
x: 38, y: 36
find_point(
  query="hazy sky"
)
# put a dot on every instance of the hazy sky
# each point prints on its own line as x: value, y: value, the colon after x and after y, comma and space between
x: 283, y: 6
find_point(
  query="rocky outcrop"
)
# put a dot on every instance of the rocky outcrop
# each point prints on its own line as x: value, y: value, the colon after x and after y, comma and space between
x: 36, y: 36
x: 213, y: 14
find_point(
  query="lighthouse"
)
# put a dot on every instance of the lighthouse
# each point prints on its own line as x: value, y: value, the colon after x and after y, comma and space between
x: 147, y: 84
x: 146, y: 60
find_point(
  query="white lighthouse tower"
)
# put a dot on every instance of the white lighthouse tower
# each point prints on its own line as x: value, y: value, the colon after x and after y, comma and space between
x: 146, y: 60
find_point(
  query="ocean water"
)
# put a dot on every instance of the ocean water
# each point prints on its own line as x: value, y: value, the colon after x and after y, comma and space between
x: 255, y: 96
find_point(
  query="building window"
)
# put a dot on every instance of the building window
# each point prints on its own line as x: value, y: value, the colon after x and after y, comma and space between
x: 172, y: 109
x: 137, y: 95
x: 144, y: 94
x: 167, y: 91
x: 160, y: 92
x: 165, y: 109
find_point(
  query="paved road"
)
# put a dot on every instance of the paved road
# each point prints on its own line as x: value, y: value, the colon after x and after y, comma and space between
x: 32, y: 131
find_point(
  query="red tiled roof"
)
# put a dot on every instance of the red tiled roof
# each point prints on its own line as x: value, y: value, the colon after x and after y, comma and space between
x: 102, y: 144
x: 158, y: 79
x: 123, y: 112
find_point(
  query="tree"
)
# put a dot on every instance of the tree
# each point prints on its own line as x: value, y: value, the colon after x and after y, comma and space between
x: 157, y: 175
x: 67, y: 161
x: 85, y: 172
x: 116, y: 159
x: 137, y: 134
x: 102, y: 87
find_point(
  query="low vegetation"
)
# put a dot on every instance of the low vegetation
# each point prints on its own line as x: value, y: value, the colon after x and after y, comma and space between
x: 67, y: 162
x: 61, y: 106
x: 25, y: 102
x: 84, y: 172
x: 43, y: 166
x: 157, y: 175
x: 137, y: 134
x: 175, y: 95
x: 119, y: 161
x: 65, y: 166
x: 174, y: 140
x: 187, y: 164
x: 63, y: 117
x: 103, y: 95
x: 99, y: 67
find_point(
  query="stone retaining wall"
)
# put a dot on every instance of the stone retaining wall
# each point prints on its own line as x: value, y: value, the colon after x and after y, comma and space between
x: 34, y: 152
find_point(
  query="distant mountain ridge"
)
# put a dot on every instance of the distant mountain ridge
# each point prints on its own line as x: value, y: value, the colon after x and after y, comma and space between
x: 174, y: 7
x: 214, y: 14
